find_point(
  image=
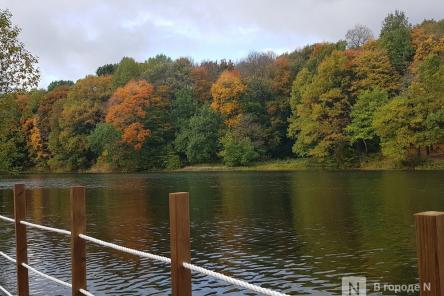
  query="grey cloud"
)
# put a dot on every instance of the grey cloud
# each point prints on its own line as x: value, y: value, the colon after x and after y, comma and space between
x: 73, y: 38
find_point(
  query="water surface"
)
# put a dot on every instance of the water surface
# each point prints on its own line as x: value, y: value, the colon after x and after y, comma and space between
x: 296, y: 232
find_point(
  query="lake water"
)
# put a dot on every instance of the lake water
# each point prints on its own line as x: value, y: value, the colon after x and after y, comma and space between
x: 295, y: 232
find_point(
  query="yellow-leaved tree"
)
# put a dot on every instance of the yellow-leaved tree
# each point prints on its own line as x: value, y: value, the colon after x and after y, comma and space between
x: 226, y: 93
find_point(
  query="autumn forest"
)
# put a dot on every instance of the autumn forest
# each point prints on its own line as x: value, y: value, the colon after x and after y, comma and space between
x: 369, y: 96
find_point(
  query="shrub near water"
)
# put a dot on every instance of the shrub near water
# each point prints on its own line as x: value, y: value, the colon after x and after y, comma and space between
x: 237, y: 151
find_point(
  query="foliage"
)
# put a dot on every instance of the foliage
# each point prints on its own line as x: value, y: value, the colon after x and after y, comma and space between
x: 92, y: 88
x: 13, y: 155
x: 372, y: 68
x: 226, y: 93
x: 415, y: 120
x: 127, y: 110
x: 325, y: 102
x: 107, y: 69
x: 237, y: 150
x: 166, y: 75
x: 58, y: 83
x: 183, y: 107
x: 320, y: 105
x: 104, y: 141
x: 18, y: 70
x: 199, y: 139
x: 362, y: 113
x: 394, y: 126
x: 395, y: 36
x: 126, y: 70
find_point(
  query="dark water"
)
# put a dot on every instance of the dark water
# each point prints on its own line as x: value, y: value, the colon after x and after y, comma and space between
x: 296, y: 232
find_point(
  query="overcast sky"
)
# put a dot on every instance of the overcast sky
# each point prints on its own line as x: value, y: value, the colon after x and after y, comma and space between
x: 72, y: 38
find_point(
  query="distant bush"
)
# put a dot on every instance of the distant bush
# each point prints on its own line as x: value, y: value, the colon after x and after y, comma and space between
x: 237, y: 151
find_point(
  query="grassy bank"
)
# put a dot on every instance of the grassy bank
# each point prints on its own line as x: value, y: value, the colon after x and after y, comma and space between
x: 370, y: 163
x: 374, y: 163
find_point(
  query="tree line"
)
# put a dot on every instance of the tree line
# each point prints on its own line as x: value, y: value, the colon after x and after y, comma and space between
x: 332, y: 102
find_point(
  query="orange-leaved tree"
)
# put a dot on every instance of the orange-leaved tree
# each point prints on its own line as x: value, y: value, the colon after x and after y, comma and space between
x: 127, y: 111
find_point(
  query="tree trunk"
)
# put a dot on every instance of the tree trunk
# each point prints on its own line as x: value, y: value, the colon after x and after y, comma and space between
x: 365, y: 145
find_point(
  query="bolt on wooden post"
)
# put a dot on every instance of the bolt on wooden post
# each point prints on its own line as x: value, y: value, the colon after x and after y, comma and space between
x: 78, y: 246
x: 20, y: 240
x: 430, y: 249
x: 180, y: 243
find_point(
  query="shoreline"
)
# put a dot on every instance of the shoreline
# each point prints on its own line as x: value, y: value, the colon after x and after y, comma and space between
x: 265, y: 166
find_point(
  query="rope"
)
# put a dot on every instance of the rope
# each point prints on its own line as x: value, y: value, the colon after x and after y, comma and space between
x: 126, y: 250
x: 5, y: 291
x: 56, y: 230
x: 86, y: 293
x: 47, y: 276
x: 13, y: 261
x: 8, y: 258
x: 4, y: 218
x: 232, y: 281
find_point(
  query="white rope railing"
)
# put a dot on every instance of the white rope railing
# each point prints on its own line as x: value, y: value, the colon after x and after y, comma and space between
x: 5, y: 291
x: 125, y: 249
x: 232, y: 281
x: 51, y: 278
x: 7, y: 219
x: 8, y: 258
x: 167, y: 260
x: 11, y: 260
x: 86, y: 293
x: 46, y: 228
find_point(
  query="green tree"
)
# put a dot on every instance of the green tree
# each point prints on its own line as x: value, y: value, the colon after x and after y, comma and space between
x: 107, y: 69
x: 396, y: 129
x: 18, y: 70
x: 104, y: 141
x: 427, y: 93
x: 320, y: 105
x: 237, y: 151
x: 47, y: 115
x: 199, y: 139
x: 395, y: 36
x: 69, y: 141
x: 183, y: 107
x: 76, y: 118
x: 362, y: 113
x: 128, y: 69
x: 168, y: 76
x: 13, y: 154
x: 415, y: 120
x: 58, y: 83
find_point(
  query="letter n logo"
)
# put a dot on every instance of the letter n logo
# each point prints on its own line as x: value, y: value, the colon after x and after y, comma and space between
x: 354, y: 286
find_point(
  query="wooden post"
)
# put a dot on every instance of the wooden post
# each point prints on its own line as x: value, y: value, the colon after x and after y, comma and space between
x: 180, y: 243
x: 430, y: 248
x: 20, y: 240
x: 78, y: 248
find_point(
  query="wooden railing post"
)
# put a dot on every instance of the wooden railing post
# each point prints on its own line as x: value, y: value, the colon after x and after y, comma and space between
x: 20, y: 240
x: 180, y: 243
x: 430, y: 248
x: 78, y: 248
